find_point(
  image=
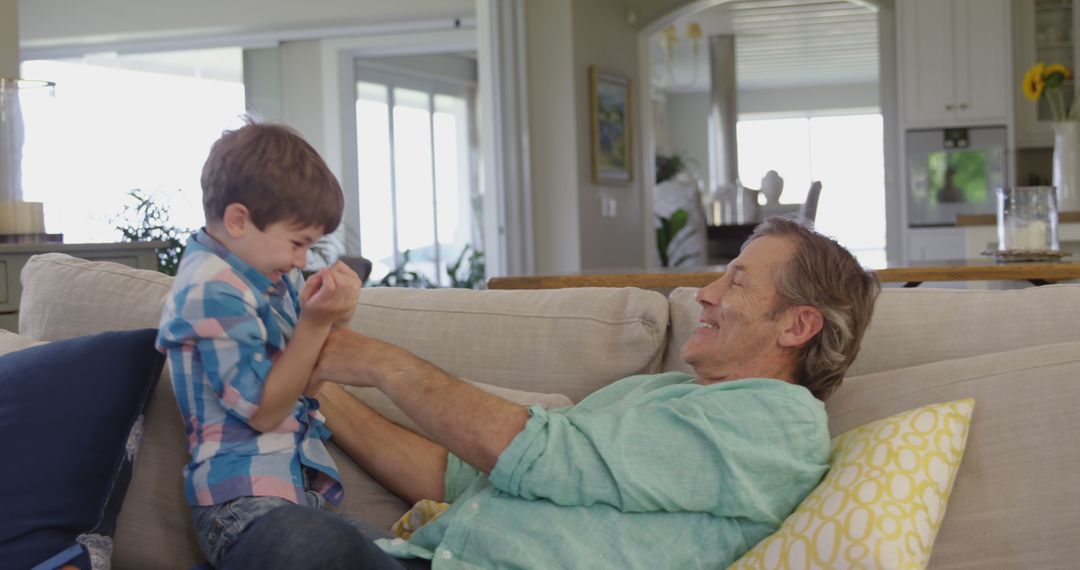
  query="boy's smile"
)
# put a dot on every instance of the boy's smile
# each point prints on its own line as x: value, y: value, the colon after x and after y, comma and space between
x: 276, y: 249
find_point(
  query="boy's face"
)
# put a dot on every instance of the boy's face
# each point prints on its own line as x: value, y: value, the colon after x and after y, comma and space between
x: 276, y: 249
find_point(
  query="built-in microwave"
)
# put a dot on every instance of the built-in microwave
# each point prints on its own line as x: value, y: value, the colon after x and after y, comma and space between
x: 952, y: 172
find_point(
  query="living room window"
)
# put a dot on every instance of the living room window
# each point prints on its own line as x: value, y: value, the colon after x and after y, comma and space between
x: 417, y: 189
x: 845, y: 152
x: 120, y: 122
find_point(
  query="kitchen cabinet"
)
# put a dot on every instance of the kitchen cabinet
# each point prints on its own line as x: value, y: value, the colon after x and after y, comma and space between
x: 935, y: 244
x: 1043, y: 30
x: 954, y: 59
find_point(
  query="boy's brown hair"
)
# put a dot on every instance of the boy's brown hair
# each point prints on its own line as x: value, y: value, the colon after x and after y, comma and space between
x: 272, y: 171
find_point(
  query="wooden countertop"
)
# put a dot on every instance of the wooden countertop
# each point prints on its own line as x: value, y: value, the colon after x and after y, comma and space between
x: 991, y: 219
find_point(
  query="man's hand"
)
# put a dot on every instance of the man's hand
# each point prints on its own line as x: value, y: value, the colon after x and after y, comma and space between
x: 329, y: 297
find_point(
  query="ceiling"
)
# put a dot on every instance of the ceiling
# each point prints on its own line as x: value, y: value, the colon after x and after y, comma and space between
x: 778, y: 44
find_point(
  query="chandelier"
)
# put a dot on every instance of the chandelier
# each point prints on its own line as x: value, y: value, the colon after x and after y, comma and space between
x: 689, y: 47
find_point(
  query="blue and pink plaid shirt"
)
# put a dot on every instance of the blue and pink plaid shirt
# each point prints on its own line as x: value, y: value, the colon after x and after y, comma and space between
x: 221, y: 328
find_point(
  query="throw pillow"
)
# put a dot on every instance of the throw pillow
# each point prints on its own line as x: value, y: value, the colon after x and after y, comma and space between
x: 70, y: 420
x: 882, y: 501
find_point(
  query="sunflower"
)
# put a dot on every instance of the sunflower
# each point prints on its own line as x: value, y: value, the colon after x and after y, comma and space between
x: 1055, y: 74
x: 1034, y: 81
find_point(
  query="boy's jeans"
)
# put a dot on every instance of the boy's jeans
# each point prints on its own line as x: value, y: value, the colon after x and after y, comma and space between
x: 217, y: 526
x: 291, y: 536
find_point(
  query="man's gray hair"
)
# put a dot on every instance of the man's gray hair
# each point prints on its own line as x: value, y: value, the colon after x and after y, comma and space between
x: 824, y: 275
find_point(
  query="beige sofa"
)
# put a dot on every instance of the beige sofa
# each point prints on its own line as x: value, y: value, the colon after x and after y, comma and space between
x: 1016, y: 502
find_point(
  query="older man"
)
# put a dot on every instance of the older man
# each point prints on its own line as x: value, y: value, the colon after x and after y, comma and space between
x: 655, y: 471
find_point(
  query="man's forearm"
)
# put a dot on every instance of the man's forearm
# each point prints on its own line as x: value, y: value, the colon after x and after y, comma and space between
x: 409, y: 465
x: 474, y: 425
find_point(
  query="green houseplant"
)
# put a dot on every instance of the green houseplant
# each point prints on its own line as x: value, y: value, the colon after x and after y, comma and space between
x: 147, y: 220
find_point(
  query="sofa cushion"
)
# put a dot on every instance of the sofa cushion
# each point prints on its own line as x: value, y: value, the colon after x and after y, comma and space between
x: 71, y: 416
x: 918, y: 326
x: 565, y: 341
x: 1016, y: 501
x: 882, y: 501
x: 65, y: 297
x: 684, y: 311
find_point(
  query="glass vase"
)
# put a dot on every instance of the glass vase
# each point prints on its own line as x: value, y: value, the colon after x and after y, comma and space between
x: 13, y: 133
x: 1067, y: 165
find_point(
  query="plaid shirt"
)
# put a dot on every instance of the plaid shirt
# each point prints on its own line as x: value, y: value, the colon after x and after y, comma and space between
x: 222, y: 327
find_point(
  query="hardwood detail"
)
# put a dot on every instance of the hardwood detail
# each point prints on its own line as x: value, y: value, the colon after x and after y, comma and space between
x: 970, y: 270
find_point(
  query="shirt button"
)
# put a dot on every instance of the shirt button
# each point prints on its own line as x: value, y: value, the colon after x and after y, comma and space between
x: 446, y: 555
x: 258, y: 357
x: 474, y: 506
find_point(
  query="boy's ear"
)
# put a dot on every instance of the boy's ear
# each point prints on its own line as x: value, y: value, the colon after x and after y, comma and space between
x: 236, y: 219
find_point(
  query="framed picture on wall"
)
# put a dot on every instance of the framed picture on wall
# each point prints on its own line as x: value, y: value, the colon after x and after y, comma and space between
x: 611, y: 115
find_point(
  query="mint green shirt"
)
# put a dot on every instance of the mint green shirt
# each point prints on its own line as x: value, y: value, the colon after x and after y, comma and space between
x: 650, y: 472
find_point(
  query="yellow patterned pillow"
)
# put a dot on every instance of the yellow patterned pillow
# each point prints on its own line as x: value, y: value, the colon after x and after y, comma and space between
x: 882, y: 501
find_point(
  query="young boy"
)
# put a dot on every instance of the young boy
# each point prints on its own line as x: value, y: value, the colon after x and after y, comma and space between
x: 243, y: 333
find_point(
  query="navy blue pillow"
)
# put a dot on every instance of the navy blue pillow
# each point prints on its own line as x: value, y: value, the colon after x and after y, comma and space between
x: 67, y: 410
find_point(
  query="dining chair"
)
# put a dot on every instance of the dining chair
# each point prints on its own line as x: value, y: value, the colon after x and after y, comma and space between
x: 808, y: 210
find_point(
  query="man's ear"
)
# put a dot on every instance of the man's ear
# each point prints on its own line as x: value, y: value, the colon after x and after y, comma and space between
x: 803, y: 323
x: 236, y: 219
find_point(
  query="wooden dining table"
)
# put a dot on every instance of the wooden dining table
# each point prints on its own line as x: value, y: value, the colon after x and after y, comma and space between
x: 910, y: 274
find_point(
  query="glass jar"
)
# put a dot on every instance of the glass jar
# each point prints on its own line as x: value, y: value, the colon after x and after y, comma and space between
x: 1027, y: 219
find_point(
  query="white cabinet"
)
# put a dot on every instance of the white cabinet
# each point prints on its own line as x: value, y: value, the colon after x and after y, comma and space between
x: 954, y: 59
x: 935, y: 244
x: 1043, y: 30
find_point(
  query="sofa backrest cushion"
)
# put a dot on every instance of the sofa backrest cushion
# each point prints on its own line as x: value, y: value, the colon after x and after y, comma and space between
x: 1016, y: 500
x: 65, y: 297
x: 918, y: 326
x: 565, y: 341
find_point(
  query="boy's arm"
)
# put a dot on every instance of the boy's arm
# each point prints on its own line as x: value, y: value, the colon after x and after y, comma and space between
x: 289, y: 376
x: 327, y: 296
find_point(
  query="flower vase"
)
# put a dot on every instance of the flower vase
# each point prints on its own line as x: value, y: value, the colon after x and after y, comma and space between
x: 1067, y: 165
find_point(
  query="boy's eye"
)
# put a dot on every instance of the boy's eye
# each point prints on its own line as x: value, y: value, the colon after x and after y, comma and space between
x: 297, y: 244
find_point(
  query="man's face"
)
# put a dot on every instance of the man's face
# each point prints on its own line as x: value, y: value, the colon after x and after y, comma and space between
x: 736, y: 336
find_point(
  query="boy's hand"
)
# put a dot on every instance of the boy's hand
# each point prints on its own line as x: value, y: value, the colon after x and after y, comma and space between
x: 346, y: 277
x: 329, y: 297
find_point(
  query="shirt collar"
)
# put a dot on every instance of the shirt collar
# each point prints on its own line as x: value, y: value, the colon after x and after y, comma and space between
x: 203, y: 240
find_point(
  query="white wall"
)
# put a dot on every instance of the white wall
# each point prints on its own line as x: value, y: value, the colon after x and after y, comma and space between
x: 564, y: 38
x: 553, y: 140
x: 51, y: 23
x: 812, y: 98
x: 602, y: 38
x: 9, y: 38
x: 688, y: 130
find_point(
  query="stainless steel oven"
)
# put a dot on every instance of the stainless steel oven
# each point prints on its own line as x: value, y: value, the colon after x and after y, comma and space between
x: 954, y: 171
